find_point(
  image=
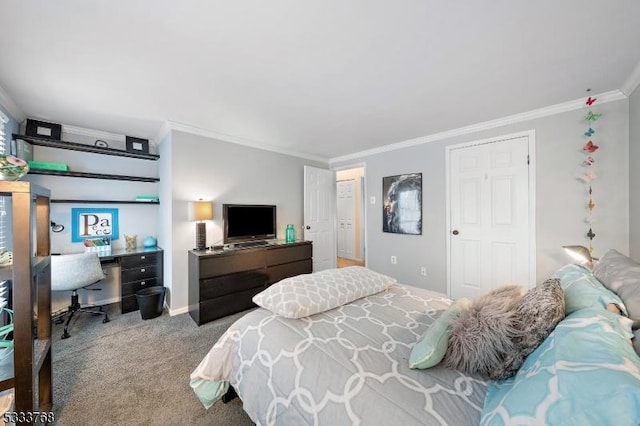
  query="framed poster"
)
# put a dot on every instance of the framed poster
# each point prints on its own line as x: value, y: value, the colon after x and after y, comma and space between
x: 93, y: 223
x: 402, y: 204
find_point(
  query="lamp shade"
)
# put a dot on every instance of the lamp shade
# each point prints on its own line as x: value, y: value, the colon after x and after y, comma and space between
x: 200, y: 210
x: 579, y: 253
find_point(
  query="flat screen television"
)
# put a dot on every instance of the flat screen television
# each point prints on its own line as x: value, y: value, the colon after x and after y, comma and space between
x: 248, y: 222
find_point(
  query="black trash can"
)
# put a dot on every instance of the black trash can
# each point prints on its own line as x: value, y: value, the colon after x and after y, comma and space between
x: 150, y: 300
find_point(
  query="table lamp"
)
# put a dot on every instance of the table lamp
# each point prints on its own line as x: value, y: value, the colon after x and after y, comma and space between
x: 581, y: 254
x: 200, y: 211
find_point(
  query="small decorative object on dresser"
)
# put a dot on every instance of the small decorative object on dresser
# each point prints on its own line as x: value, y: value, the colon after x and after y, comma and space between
x: 150, y: 242
x: 131, y: 243
x: 290, y: 234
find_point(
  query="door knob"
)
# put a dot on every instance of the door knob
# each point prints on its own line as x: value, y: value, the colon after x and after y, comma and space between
x: 455, y: 232
x: 308, y: 227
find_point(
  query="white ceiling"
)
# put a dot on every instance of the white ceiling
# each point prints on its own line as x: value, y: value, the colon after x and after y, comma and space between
x: 324, y: 78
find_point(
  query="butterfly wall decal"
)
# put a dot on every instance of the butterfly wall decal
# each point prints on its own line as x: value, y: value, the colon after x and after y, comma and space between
x: 592, y: 116
x: 591, y: 100
x: 589, y: 132
x: 589, y: 161
x: 590, y: 147
x: 590, y: 234
x: 591, y: 204
x: 588, y: 177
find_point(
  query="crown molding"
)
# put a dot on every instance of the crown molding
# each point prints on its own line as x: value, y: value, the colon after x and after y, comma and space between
x: 614, y: 95
x: 212, y: 134
x: 632, y: 82
x: 11, y: 107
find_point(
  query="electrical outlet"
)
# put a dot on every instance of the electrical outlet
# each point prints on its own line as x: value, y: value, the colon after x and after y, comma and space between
x: 394, y: 260
x: 423, y: 271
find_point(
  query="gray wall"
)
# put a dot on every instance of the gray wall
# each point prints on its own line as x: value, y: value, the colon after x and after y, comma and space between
x: 634, y: 174
x: 224, y: 173
x: 560, y: 197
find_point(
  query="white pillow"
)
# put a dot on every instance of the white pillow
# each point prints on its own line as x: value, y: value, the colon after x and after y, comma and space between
x: 309, y: 294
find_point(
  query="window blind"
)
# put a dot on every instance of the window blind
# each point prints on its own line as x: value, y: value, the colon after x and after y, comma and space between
x: 3, y: 208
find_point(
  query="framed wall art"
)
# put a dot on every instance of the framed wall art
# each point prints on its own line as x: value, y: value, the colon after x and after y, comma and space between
x: 402, y: 204
x: 93, y: 223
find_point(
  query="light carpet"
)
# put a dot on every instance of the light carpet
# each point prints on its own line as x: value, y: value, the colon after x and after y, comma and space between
x: 135, y: 372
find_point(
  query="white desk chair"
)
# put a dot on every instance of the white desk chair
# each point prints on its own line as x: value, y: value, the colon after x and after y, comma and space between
x: 71, y: 272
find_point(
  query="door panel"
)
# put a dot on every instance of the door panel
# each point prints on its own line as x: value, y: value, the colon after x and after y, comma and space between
x: 489, y: 211
x: 319, y: 215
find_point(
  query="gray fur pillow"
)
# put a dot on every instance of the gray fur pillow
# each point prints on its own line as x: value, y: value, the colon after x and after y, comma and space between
x: 494, y: 336
x: 482, y: 335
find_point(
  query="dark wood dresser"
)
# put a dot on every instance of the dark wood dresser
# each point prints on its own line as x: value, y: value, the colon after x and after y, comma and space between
x: 223, y: 282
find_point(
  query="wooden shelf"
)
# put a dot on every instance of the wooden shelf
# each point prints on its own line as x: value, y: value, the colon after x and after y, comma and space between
x: 28, y: 369
x: 104, y: 202
x: 93, y: 175
x: 73, y: 146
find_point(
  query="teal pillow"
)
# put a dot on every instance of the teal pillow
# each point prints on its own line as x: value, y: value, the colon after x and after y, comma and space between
x: 583, y: 290
x: 429, y: 350
x: 585, y: 373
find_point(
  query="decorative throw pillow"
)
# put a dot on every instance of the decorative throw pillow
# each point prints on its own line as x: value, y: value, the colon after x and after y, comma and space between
x: 429, y: 350
x: 583, y: 290
x: 492, y: 339
x: 584, y: 373
x: 482, y: 335
x: 308, y: 294
x: 538, y: 313
x: 621, y: 274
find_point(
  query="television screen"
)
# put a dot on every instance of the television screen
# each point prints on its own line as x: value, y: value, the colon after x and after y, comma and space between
x: 246, y: 222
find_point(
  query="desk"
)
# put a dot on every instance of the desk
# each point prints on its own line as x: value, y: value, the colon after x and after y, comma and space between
x: 139, y: 269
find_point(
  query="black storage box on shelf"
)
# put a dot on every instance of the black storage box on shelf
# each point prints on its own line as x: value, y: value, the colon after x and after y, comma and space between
x: 137, y: 145
x: 42, y: 129
x: 150, y: 301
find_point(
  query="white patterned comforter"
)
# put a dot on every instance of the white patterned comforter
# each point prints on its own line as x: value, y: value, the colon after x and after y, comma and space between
x: 345, y: 366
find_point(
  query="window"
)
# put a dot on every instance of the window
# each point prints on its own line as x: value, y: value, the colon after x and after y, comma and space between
x: 3, y: 212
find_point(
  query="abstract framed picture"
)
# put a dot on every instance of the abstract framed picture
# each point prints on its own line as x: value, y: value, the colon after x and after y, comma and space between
x: 93, y: 223
x: 402, y: 204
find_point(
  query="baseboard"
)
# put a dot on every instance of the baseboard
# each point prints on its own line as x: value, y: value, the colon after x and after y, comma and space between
x: 174, y: 312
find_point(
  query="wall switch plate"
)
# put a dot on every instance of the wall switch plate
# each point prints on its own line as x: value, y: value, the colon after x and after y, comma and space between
x: 394, y: 260
x: 423, y: 271
x: 373, y: 199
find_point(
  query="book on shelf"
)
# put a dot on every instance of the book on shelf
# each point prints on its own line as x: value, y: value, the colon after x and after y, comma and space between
x: 147, y: 198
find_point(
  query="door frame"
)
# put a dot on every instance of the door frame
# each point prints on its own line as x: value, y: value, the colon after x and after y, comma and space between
x: 363, y: 165
x: 531, y: 135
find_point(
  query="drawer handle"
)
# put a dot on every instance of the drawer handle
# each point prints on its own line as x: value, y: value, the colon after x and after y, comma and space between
x: 143, y: 257
x: 143, y: 282
x: 142, y: 269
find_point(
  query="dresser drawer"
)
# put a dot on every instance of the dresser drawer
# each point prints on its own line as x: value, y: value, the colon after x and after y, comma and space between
x: 139, y: 273
x: 138, y: 260
x: 131, y: 288
x: 236, y: 262
x: 280, y: 255
x: 227, y: 284
x: 226, y: 305
x: 279, y: 272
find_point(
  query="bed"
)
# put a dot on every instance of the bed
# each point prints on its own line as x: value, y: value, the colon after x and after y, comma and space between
x: 341, y: 355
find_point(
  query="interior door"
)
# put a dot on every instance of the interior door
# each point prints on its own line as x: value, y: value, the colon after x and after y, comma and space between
x: 489, y: 216
x: 319, y: 215
x: 346, y: 219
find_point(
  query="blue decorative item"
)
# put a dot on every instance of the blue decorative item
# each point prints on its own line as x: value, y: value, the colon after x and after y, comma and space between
x: 290, y: 234
x: 149, y: 242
